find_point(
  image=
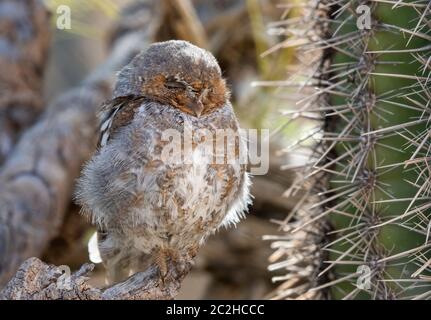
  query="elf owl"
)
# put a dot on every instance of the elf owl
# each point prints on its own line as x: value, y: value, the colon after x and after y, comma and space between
x: 147, y: 207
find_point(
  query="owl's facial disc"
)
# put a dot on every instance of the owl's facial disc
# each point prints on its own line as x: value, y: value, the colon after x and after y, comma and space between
x: 196, y: 97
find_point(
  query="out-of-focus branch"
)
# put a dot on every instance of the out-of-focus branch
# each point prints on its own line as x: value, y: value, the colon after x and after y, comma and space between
x: 37, y: 180
x: 185, y: 22
x: 36, y: 280
x: 24, y: 44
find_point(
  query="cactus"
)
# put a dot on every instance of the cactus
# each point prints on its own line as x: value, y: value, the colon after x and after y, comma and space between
x: 363, y: 227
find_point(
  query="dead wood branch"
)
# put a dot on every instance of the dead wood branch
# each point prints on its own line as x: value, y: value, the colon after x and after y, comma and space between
x: 37, y: 180
x: 24, y: 38
x: 36, y: 280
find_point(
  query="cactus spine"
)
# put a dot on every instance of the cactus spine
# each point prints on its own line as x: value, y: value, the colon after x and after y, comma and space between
x: 366, y: 207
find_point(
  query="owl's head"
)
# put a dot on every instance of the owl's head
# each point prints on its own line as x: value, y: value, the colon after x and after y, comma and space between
x: 175, y: 73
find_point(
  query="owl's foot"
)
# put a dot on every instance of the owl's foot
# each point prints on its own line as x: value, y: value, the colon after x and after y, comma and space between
x: 171, y: 264
x: 163, y: 258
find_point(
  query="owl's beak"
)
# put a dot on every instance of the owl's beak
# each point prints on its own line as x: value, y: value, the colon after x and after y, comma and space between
x: 197, y: 107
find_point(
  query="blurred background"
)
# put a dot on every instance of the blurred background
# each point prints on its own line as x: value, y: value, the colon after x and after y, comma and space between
x: 307, y: 70
x: 233, y: 264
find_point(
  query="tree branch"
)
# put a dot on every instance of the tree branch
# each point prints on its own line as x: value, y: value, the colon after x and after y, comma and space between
x: 36, y: 280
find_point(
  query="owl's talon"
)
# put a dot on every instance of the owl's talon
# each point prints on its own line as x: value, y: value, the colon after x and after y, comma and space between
x: 161, y: 257
x: 162, y: 278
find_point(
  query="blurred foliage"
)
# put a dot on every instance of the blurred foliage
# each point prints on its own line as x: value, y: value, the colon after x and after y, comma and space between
x: 257, y: 106
x: 82, y: 12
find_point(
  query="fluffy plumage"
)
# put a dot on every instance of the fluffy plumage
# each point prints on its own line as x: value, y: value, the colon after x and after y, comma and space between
x: 146, y: 208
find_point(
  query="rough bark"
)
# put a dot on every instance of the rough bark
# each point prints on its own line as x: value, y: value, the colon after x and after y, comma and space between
x: 36, y: 280
x: 24, y: 44
x: 36, y: 182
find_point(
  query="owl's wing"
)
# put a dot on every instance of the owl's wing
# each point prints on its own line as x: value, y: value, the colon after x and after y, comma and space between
x: 116, y: 113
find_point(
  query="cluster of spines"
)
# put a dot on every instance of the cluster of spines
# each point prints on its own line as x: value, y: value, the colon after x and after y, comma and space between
x: 368, y: 176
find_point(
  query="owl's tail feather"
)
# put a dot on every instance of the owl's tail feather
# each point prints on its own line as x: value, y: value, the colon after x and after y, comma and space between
x: 120, y: 261
x: 124, y: 264
x: 123, y: 261
x: 115, y: 272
